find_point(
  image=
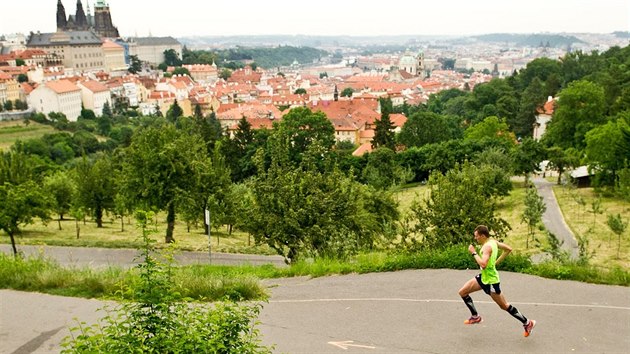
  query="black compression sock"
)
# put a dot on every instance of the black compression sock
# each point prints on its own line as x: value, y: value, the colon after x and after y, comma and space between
x: 469, y: 303
x: 514, y: 312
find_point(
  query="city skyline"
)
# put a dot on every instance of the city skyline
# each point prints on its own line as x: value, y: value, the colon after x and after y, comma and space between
x: 326, y: 17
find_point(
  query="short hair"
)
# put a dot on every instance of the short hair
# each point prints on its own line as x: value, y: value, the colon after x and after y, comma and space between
x: 483, y: 230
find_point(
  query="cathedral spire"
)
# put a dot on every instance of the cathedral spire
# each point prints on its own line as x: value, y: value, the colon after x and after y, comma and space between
x: 80, y: 19
x: 62, y: 22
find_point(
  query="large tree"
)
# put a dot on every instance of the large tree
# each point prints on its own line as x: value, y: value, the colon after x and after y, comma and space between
x: 580, y: 108
x: 163, y: 168
x: 21, y: 195
x: 384, y: 135
x: 94, y: 179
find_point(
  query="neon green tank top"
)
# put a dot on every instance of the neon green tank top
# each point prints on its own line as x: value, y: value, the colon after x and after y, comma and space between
x: 489, y: 275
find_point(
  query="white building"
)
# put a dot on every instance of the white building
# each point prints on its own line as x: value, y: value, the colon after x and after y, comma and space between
x: 151, y: 49
x: 57, y: 96
x: 94, y: 95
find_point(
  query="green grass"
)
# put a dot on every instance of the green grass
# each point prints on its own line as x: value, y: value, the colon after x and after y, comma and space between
x: 46, y: 276
x: 12, y: 131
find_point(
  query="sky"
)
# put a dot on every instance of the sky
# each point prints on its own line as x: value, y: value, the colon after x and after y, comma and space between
x: 332, y: 17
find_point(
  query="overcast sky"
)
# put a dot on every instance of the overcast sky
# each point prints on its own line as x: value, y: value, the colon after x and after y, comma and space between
x: 332, y: 17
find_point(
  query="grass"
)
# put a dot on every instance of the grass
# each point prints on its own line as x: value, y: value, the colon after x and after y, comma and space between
x: 12, y: 131
x: 115, y: 235
x: 577, y: 206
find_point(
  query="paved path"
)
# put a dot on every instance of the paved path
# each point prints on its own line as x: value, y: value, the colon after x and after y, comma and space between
x: 103, y: 257
x: 413, y: 311
x: 553, y: 219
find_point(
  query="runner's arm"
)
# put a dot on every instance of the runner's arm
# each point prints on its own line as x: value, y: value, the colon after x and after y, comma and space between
x: 505, y: 251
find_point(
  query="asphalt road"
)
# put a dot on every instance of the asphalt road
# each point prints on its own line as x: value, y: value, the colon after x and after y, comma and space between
x: 553, y: 219
x: 414, y: 311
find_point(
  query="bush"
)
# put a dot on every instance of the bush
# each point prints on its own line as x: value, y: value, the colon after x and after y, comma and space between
x: 156, y: 322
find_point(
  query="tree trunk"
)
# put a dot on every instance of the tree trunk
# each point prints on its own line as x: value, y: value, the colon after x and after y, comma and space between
x: 122, y: 224
x: 230, y: 229
x: 15, y: 254
x: 99, y: 216
x: 59, y: 222
x: 170, y: 223
x: 76, y: 221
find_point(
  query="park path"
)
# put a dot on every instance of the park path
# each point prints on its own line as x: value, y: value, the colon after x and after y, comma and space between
x: 553, y: 218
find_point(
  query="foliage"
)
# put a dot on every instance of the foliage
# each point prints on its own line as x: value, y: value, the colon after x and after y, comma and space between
x: 303, y: 211
x: 534, y: 209
x: 171, y: 58
x: 616, y: 224
x: 62, y: 189
x: 347, y: 92
x: 174, y: 112
x: 580, y: 108
x: 459, y: 200
x: 136, y: 65
x: 384, y: 135
x: 156, y: 323
x: 424, y: 128
x: 383, y: 170
x: 22, y: 197
x: 95, y: 186
x: 266, y: 57
x: 164, y: 168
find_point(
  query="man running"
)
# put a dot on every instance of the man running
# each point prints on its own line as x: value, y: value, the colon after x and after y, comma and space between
x: 488, y: 280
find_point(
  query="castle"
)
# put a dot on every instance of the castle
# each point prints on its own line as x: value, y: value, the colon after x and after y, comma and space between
x: 100, y: 22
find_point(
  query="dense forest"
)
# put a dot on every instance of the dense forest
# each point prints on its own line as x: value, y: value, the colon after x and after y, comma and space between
x: 531, y: 40
x: 293, y: 188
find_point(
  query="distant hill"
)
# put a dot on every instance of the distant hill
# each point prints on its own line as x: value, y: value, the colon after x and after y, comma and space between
x: 530, y: 40
x: 621, y: 34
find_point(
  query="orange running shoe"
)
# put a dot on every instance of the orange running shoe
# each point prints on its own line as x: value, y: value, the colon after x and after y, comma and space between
x: 473, y: 320
x: 529, y: 327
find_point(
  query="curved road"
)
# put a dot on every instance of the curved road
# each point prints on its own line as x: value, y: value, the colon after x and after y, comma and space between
x: 553, y: 219
x: 412, y: 311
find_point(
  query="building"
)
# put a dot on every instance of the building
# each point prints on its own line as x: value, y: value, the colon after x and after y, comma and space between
x: 9, y: 88
x: 94, y: 95
x: 57, y: 96
x: 114, y: 55
x: 79, y: 50
x: 151, y: 49
x: 100, y: 22
x: 543, y: 117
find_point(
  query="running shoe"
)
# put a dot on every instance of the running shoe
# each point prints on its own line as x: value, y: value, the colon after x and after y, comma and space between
x: 529, y: 327
x: 473, y: 320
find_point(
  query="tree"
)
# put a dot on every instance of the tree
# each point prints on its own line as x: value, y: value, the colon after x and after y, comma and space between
x: 347, y: 92
x: 181, y: 71
x: 225, y: 74
x: 171, y: 58
x: 562, y: 159
x: 384, y: 135
x: 603, y: 145
x: 174, y: 112
x: 580, y: 108
x: 532, y: 98
x: 424, y: 128
x: 458, y: 201
x: 616, y: 224
x: 492, y: 128
x: 532, y: 215
x: 300, y: 91
x: 302, y: 127
x: 136, y: 65
x: 8, y: 105
x: 22, y: 78
x: 62, y: 190
x: 107, y: 109
x: 163, y: 167
x: 383, y: 171
x: 527, y: 157
x: 21, y: 195
x: 302, y: 211
x: 95, y: 186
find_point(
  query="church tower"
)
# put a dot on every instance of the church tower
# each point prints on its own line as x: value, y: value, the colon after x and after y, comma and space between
x: 103, y: 20
x: 80, y: 20
x: 62, y: 22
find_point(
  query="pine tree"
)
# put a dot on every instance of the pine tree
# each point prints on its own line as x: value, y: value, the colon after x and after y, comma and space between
x: 384, y: 135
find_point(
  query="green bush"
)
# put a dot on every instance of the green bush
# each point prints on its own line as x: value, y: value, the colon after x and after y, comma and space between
x: 157, y: 321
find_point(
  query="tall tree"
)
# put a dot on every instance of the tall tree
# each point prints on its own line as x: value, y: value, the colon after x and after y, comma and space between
x: 21, y: 195
x: 163, y: 168
x: 95, y: 185
x: 62, y: 189
x: 384, y: 135
x: 580, y: 108
x: 174, y: 112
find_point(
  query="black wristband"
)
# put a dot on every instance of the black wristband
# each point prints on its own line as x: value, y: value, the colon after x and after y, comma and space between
x: 474, y: 254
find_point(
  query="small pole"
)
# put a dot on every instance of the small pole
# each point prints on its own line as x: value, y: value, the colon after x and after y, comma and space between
x: 209, y: 242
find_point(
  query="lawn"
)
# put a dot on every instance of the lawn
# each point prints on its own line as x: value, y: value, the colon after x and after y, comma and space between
x: 11, y: 131
x: 602, y: 242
